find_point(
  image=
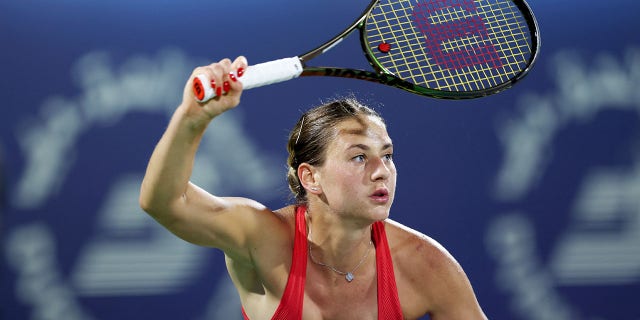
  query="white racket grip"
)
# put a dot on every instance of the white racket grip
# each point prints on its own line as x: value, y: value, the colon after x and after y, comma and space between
x: 258, y: 75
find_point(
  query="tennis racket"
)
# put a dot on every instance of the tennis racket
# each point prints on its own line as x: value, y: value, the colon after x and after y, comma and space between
x: 453, y: 49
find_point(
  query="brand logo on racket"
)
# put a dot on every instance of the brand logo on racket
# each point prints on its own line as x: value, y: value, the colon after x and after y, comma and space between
x: 474, y: 49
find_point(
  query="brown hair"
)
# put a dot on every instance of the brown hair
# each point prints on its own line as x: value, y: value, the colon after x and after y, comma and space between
x: 311, y: 134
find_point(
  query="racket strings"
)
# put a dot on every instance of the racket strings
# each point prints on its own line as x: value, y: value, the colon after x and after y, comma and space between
x: 511, y: 31
x: 452, y: 45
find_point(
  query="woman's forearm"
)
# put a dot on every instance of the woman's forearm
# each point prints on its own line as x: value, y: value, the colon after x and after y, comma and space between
x: 170, y: 166
x: 165, y: 186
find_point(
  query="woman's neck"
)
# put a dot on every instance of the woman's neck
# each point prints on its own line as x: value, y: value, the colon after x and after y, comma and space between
x: 335, y: 240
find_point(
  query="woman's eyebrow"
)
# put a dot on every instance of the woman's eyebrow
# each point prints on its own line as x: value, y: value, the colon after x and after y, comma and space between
x: 359, y: 146
x: 365, y: 147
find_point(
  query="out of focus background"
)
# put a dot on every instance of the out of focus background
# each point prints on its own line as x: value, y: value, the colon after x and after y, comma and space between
x: 535, y: 190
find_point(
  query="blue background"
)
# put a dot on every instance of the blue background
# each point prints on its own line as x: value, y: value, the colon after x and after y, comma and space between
x: 534, y: 190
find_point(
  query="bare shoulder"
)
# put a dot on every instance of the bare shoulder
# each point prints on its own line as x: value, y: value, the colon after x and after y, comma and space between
x: 238, y: 226
x: 266, y: 222
x: 414, y: 253
x: 286, y: 213
x: 273, y: 230
x: 259, y: 213
x: 428, y: 277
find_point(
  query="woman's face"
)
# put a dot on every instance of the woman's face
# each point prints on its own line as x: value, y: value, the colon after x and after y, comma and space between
x: 358, y: 176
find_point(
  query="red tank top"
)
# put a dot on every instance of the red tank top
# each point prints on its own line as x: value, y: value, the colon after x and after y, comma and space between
x: 290, y: 307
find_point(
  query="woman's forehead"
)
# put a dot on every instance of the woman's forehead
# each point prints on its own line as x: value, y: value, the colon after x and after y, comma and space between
x: 362, y: 127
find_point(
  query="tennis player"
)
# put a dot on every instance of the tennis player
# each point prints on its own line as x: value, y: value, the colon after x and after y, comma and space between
x: 334, y: 254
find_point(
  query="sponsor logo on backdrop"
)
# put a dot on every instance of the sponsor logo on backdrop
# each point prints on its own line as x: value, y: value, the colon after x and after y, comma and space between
x: 601, y: 245
x: 129, y: 254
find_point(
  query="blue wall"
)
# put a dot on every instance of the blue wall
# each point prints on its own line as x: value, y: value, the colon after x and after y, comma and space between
x: 534, y: 190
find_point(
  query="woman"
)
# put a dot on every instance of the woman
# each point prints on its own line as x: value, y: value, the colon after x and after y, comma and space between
x: 333, y: 255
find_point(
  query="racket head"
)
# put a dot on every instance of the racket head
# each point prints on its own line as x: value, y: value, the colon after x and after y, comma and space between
x: 453, y: 49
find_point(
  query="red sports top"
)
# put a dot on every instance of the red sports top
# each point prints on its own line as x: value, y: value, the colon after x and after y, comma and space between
x: 290, y: 307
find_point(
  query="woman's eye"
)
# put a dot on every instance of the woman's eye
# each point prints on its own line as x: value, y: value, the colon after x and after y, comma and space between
x: 359, y: 158
x: 388, y: 157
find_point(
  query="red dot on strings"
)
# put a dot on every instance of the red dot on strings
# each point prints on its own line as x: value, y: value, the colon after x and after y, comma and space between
x: 384, y: 47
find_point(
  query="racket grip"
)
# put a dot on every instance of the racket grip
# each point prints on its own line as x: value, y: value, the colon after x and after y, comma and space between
x: 258, y: 75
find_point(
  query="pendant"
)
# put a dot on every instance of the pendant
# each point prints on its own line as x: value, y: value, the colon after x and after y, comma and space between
x: 349, y: 276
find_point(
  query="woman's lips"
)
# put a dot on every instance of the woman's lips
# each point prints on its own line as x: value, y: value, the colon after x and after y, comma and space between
x: 380, y: 195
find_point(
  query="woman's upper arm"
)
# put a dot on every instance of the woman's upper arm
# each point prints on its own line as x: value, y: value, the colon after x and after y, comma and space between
x: 221, y: 222
x: 433, y: 281
x: 452, y: 293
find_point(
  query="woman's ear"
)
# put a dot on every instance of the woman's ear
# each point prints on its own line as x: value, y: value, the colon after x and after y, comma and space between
x: 308, y: 178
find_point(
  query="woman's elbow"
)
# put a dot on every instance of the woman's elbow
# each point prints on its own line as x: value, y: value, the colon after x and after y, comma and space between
x: 144, y: 199
x: 150, y: 203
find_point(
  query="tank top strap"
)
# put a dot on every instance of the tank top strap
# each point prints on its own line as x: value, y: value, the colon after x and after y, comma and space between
x: 388, y: 301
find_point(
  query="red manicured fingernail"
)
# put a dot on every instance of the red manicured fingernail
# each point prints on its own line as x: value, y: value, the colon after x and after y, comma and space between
x: 226, y: 86
x: 232, y: 76
x: 213, y: 84
x: 218, y: 91
x: 240, y: 72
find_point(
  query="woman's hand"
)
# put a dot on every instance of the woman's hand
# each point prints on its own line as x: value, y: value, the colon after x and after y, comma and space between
x: 224, y: 77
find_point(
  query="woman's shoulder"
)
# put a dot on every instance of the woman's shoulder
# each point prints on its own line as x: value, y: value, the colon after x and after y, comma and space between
x: 407, y: 241
x: 284, y: 220
x: 423, y: 268
x: 418, y: 256
x: 287, y: 214
x: 245, y: 205
x: 266, y: 226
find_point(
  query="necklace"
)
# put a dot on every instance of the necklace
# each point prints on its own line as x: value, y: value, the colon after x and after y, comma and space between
x: 347, y: 275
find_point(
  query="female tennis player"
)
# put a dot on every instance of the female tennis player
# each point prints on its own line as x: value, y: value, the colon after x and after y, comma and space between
x: 334, y: 254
